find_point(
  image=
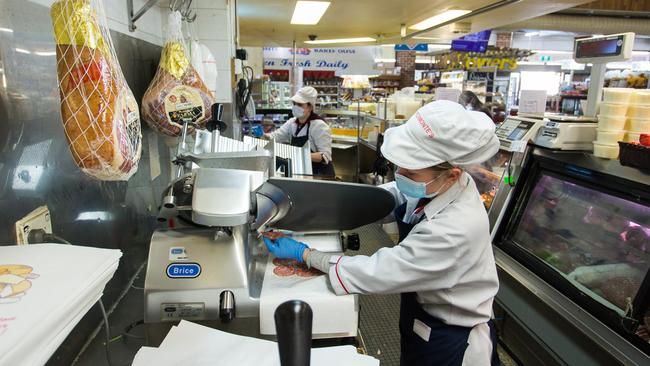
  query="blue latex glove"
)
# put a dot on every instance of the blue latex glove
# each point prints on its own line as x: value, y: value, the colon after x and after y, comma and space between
x: 257, y: 131
x: 286, y: 248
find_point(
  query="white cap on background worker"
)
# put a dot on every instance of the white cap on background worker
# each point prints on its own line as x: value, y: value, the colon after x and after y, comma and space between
x: 304, y: 95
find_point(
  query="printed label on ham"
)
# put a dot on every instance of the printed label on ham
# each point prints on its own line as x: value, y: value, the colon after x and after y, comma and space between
x: 184, y: 103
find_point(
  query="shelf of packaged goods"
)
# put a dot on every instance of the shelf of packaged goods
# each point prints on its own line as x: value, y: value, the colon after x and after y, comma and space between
x: 323, y: 86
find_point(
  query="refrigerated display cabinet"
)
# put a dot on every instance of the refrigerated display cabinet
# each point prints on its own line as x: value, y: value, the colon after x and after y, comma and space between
x: 580, y: 227
x: 496, y: 177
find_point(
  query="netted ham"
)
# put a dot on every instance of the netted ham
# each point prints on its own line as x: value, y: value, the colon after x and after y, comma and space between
x: 177, y: 94
x: 100, y: 115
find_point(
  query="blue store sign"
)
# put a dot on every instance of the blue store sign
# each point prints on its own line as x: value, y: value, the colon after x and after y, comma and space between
x: 424, y: 47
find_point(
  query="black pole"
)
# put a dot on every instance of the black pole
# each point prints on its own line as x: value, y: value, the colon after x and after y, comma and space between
x: 293, y: 321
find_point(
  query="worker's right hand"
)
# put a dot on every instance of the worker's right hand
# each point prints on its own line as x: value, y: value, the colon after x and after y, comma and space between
x: 286, y: 248
x: 257, y: 131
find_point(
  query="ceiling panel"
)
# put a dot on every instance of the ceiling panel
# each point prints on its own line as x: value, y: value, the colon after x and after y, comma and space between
x: 266, y: 22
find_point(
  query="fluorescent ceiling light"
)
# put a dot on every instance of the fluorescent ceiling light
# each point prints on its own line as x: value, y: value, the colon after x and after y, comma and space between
x: 7, y: 30
x: 532, y: 34
x: 45, y: 53
x: 439, y: 19
x: 309, y: 12
x: 342, y: 40
x: 439, y: 46
x: 598, y: 35
x: 20, y: 50
x: 428, y: 38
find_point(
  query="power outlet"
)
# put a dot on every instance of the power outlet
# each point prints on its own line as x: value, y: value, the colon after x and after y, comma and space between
x: 37, y: 219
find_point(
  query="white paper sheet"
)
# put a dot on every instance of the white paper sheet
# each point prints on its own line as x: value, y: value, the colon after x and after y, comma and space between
x: 329, y: 243
x: 59, y: 284
x: 193, y: 344
x: 332, y: 314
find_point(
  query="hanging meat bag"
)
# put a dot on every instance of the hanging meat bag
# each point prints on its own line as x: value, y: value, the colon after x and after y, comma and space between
x: 100, y: 115
x: 177, y: 92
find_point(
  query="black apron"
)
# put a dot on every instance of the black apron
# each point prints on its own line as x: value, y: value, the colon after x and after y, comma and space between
x: 447, y: 343
x: 320, y: 168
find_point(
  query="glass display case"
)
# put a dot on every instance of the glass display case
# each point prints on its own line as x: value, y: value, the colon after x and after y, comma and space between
x: 271, y: 94
x: 582, y: 224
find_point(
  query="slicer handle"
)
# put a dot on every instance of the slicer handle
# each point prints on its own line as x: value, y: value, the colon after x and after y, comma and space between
x: 293, y: 322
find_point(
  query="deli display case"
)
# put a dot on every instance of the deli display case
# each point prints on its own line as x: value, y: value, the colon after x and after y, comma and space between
x: 496, y: 177
x: 577, y: 235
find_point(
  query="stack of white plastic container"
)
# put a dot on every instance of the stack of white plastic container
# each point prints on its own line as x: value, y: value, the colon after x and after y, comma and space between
x: 624, y: 116
x: 638, y: 115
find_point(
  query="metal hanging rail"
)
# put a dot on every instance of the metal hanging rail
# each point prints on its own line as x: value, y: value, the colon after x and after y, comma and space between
x: 174, y: 5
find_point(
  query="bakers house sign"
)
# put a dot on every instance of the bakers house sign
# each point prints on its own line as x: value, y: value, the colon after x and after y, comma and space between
x: 350, y: 60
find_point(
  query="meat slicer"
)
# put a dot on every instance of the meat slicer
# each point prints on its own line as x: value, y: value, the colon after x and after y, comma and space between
x: 208, y: 263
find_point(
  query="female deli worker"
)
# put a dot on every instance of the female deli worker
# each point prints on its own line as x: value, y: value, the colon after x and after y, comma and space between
x: 308, y: 126
x: 443, y: 265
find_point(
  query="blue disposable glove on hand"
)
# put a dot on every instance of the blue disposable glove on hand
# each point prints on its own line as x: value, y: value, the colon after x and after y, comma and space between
x: 257, y: 131
x: 286, y: 248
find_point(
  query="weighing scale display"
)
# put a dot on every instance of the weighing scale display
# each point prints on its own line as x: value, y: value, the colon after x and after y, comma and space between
x: 514, y: 130
x: 600, y: 47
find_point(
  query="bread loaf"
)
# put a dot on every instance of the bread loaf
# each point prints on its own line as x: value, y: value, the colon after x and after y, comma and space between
x: 100, y: 115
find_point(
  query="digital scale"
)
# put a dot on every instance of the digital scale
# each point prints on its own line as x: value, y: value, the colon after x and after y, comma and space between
x: 515, y: 131
x: 563, y: 132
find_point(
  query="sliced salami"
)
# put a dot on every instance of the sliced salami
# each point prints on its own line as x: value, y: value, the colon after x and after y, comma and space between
x: 308, y: 272
x: 284, y: 271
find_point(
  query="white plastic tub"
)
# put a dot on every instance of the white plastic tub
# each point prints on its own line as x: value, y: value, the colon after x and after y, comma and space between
x: 617, y: 95
x: 606, y: 151
x: 632, y: 136
x: 609, y: 137
x: 613, y: 109
x: 611, y: 123
x: 639, y: 125
x: 641, y: 97
x: 639, y: 111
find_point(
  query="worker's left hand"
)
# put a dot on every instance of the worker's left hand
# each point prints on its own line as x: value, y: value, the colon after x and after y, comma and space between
x: 286, y: 248
x: 257, y: 131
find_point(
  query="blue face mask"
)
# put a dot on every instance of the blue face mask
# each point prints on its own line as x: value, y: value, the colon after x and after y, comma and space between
x: 415, y: 189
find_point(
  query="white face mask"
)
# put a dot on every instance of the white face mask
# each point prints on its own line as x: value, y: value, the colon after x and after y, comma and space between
x: 298, y: 111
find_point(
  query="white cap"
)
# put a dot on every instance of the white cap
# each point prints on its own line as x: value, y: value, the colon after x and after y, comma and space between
x: 306, y: 94
x: 441, y: 131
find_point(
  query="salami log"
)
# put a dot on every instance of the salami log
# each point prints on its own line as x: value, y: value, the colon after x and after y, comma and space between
x: 177, y: 92
x: 100, y: 115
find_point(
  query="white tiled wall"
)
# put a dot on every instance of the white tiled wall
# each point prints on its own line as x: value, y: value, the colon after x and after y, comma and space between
x: 149, y: 25
x: 213, y: 28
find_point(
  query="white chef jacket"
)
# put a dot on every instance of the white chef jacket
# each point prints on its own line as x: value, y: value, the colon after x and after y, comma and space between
x: 446, y: 259
x: 320, y: 135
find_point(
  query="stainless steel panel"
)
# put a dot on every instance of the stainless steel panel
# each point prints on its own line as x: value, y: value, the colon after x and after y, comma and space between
x: 324, y: 206
x: 36, y: 167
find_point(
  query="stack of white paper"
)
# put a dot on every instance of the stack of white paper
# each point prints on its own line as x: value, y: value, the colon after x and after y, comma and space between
x: 45, y: 289
x: 193, y: 344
